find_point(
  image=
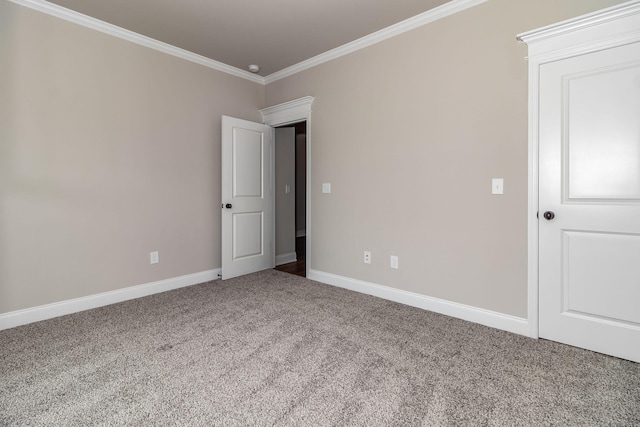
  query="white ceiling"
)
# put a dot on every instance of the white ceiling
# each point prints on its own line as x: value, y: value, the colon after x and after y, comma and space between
x: 274, y: 34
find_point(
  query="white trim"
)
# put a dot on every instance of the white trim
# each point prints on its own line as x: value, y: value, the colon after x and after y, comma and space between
x: 291, y: 112
x: 563, y: 40
x: 287, y: 112
x: 48, y: 311
x: 579, y: 24
x: 532, y: 205
x: 414, y: 22
x: 489, y: 318
x: 584, y: 34
x: 286, y: 258
x: 113, y: 30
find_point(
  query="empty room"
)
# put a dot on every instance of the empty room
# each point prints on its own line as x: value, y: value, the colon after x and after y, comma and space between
x: 455, y: 184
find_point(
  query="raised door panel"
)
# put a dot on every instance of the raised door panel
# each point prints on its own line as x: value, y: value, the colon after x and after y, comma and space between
x: 248, y: 160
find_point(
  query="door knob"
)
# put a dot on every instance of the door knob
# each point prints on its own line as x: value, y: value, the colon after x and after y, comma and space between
x: 548, y: 215
x: 228, y: 206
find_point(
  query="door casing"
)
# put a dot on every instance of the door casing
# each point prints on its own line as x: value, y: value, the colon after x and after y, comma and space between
x: 604, y: 29
x: 283, y: 114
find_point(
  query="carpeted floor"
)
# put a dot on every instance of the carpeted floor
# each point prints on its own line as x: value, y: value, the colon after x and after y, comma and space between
x: 276, y: 349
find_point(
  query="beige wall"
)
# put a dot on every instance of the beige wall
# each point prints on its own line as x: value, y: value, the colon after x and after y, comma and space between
x: 108, y: 150
x: 410, y: 132
x: 301, y: 184
x: 285, y: 174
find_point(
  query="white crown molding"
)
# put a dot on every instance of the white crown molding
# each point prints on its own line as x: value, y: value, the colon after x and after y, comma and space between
x: 49, y: 311
x: 427, y: 17
x: 113, y: 30
x: 586, y: 33
x: 516, y: 325
x: 287, y: 112
x: 432, y: 15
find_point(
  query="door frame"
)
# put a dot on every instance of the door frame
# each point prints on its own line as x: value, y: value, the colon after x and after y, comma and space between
x: 603, y: 29
x: 284, y: 114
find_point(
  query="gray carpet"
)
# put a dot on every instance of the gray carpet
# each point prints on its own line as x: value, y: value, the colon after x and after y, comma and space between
x: 276, y: 349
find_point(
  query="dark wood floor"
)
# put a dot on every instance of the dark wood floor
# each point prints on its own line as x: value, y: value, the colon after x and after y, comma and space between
x: 299, y: 268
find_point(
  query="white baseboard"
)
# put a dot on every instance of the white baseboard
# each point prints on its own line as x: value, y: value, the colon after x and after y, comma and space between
x: 286, y: 258
x: 301, y: 233
x: 48, y: 311
x: 493, y: 319
x: 490, y: 318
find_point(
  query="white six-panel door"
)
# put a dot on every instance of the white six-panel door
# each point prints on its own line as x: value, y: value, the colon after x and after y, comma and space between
x: 247, y: 213
x: 589, y: 189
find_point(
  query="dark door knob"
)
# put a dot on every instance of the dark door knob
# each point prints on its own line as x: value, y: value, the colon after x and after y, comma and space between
x: 548, y: 215
x: 228, y: 206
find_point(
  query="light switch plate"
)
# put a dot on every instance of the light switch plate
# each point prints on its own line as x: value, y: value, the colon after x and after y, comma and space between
x: 394, y: 261
x: 497, y: 186
x: 326, y: 187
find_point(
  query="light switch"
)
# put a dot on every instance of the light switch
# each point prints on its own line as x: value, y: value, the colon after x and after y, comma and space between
x: 497, y: 186
x: 326, y: 187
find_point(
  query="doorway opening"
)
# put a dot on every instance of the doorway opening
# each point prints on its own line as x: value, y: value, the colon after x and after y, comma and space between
x: 291, y: 226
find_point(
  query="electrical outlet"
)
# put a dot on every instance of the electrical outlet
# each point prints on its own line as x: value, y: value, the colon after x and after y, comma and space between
x: 154, y: 257
x: 367, y: 257
x: 394, y: 261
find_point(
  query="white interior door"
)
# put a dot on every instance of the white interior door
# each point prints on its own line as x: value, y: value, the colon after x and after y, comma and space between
x: 247, y: 212
x: 589, y: 183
